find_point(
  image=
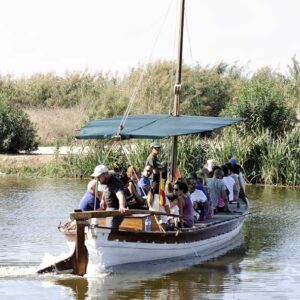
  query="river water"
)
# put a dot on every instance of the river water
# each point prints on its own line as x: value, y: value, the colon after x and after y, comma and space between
x: 262, y: 263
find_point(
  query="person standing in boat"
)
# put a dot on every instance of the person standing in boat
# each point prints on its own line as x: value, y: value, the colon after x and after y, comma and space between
x: 152, y: 160
x: 113, y: 194
x: 87, y: 203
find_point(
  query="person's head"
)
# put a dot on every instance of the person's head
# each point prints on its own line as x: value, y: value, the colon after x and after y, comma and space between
x: 116, y: 171
x: 225, y: 170
x: 218, y: 173
x: 101, y: 174
x: 132, y: 174
x: 230, y: 167
x: 192, y: 175
x: 233, y: 160
x: 191, y: 183
x: 202, y: 175
x: 180, y: 188
x: 205, y: 172
x: 213, y: 170
x: 155, y: 148
x: 91, y: 186
x: 236, y: 169
x: 147, y: 171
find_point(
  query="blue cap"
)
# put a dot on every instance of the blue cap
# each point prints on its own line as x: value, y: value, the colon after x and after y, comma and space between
x: 233, y: 161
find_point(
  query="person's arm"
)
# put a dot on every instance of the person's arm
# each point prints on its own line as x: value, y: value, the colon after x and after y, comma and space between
x: 150, y: 198
x: 235, y: 189
x: 121, y: 197
x: 103, y: 204
x: 135, y: 194
x: 180, y: 206
x: 225, y: 197
x: 167, y: 209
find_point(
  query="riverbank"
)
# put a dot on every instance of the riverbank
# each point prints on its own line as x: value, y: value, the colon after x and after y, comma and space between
x: 31, y: 162
x: 17, y: 162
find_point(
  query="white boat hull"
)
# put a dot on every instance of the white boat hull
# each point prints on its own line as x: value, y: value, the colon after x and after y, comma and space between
x: 110, y: 253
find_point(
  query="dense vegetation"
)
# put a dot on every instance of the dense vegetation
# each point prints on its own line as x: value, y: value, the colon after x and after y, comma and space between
x: 16, y: 130
x: 266, y: 143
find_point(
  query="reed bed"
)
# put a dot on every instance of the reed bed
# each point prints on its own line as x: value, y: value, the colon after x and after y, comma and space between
x: 264, y: 159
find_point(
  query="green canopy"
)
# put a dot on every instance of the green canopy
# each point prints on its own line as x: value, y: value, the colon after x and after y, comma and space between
x: 152, y: 126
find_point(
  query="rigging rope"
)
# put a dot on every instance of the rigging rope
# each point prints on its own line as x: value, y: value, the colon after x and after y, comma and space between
x: 189, y: 37
x: 135, y: 92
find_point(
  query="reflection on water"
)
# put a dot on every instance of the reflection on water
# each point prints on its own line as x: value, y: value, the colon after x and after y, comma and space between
x: 264, y: 265
x: 177, y: 279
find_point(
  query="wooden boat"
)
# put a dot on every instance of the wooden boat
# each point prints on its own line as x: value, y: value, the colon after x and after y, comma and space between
x: 131, y: 243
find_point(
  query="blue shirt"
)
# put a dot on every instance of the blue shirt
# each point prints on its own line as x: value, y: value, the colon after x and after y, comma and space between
x: 87, y: 202
x: 144, y: 186
x: 200, y: 187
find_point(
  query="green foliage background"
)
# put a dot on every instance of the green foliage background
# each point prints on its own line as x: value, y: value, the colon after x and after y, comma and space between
x: 266, y: 143
x: 16, y: 130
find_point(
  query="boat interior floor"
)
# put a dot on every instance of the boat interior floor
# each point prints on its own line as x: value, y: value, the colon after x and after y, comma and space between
x: 235, y: 212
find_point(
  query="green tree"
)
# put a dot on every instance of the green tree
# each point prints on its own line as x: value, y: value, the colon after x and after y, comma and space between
x: 294, y: 85
x: 262, y: 103
x: 16, y: 131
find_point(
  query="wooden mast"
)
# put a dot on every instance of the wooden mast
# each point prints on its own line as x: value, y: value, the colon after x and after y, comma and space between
x: 177, y: 90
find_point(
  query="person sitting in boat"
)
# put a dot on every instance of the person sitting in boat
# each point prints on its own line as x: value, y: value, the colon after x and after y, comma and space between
x: 203, y: 175
x: 172, y: 223
x: 199, y: 184
x: 132, y: 187
x: 230, y: 183
x: 199, y: 200
x: 152, y: 160
x: 217, y: 192
x: 144, y: 184
x: 237, y: 169
x: 116, y: 171
x: 87, y: 202
x: 235, y: 177
x: 186, y: 210
x: 113, y: 194
x: 133, y: 200
x: 155, y: 205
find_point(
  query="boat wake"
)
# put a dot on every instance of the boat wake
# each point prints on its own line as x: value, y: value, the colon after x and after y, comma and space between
x: 30, y: 270
x: 17, y: 271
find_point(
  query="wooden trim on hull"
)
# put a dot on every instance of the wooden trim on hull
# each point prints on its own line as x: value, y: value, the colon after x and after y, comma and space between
x: 176, y: 237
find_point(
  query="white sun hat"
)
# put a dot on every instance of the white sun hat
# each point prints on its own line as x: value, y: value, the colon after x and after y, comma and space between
x: 100, y: 169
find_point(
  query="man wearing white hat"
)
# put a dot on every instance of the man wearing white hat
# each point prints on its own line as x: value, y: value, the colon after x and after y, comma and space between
x: 113, y: 194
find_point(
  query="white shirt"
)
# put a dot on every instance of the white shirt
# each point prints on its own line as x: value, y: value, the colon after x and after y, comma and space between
x: 198, y: 196
x: 156, y: 207
x: 229, y: 182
